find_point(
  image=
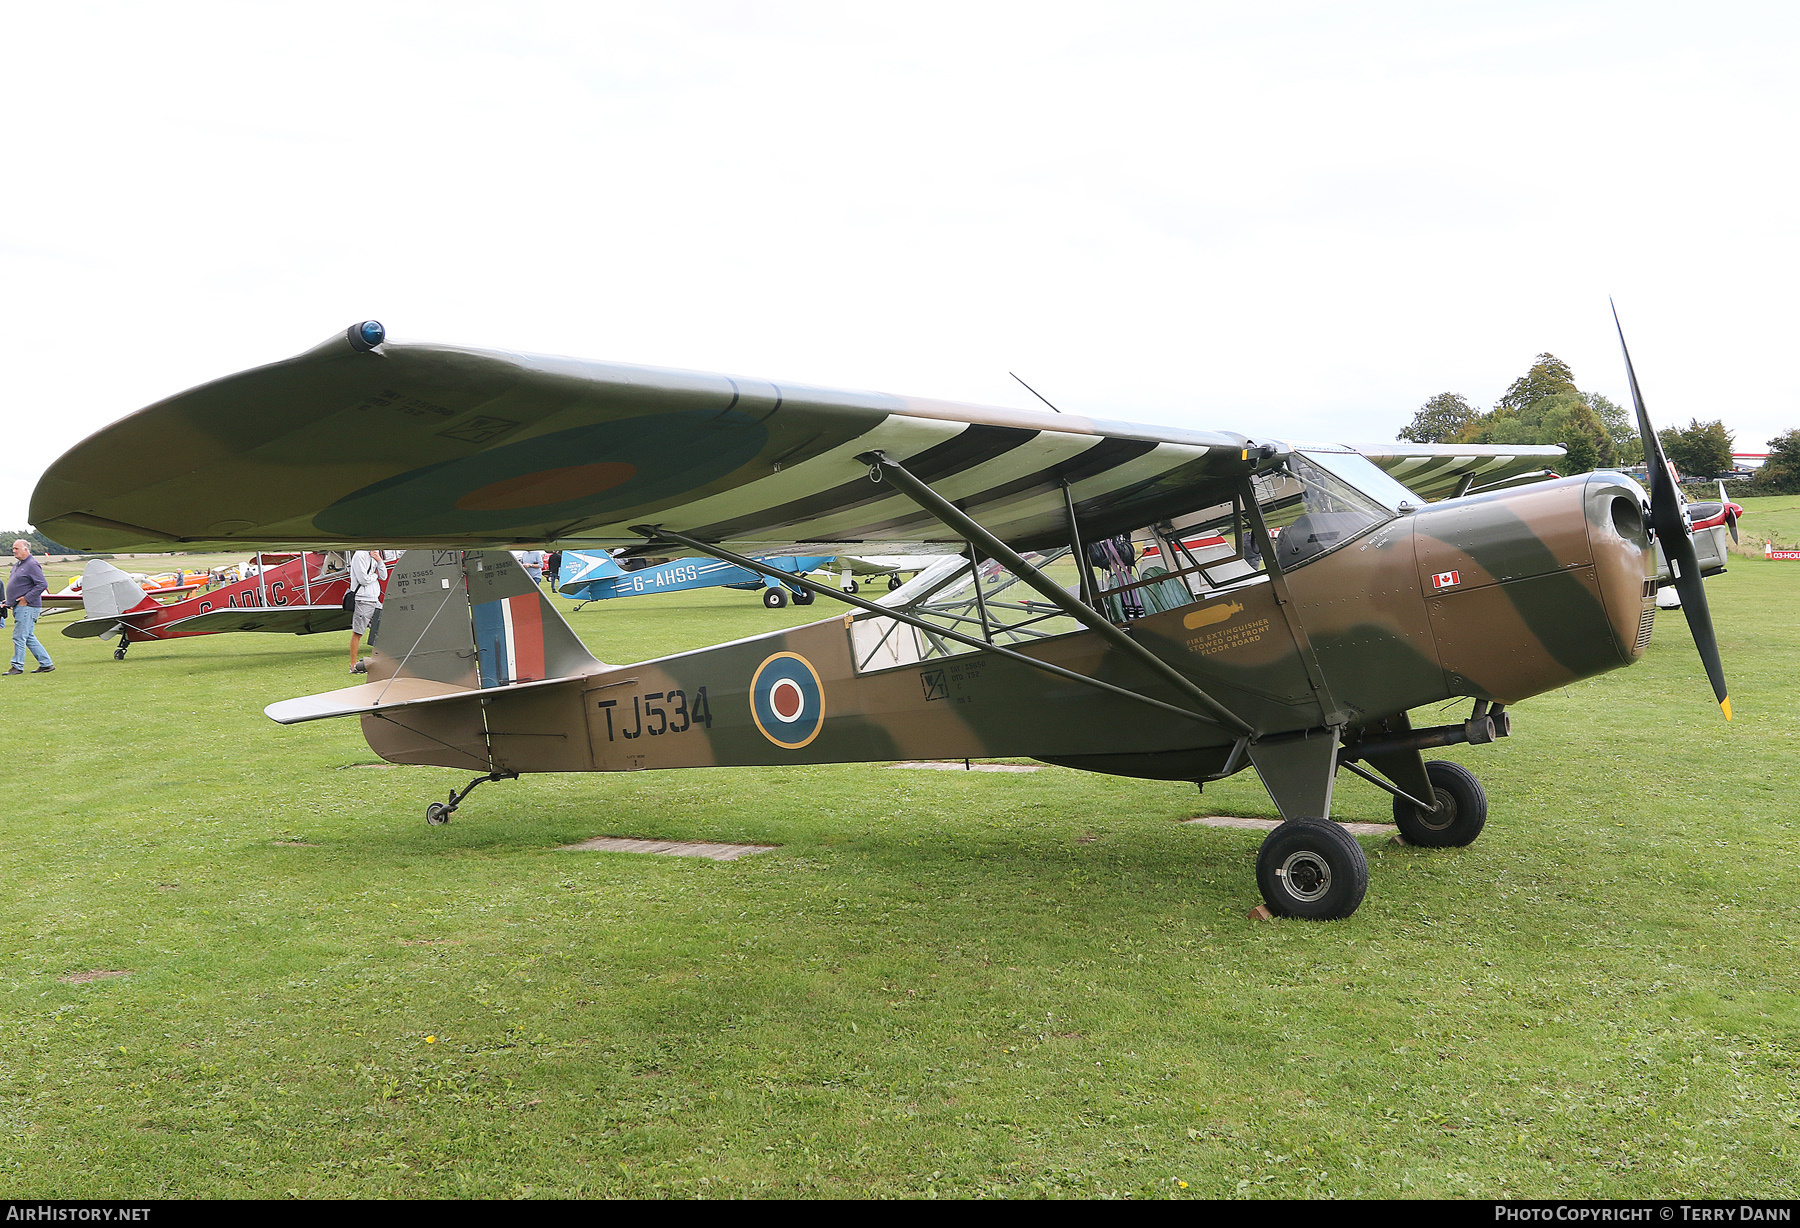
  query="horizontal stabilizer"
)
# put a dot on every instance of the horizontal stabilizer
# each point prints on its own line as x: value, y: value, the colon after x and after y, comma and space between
x: 371, y: 697
x: 88, y: 628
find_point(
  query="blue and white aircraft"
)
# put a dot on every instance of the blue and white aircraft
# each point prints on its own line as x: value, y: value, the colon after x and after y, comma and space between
x: 594, y: 575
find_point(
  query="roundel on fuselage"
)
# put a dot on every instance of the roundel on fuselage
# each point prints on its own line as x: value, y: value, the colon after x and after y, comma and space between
x: 787, y: 701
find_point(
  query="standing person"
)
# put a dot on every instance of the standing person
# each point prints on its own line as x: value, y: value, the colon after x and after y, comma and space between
x: 367, y: 570
x: 552, y: 566
x: 25, y: 590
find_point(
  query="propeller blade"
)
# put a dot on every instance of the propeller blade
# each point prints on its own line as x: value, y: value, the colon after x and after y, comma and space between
x: 1672, y: 530
x: 1730, y: 516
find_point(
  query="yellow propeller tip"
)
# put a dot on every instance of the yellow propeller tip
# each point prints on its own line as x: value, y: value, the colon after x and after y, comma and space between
x: 1725, y: 704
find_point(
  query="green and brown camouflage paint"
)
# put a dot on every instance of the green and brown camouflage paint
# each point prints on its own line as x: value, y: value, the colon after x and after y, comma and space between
x: 1495, y: 597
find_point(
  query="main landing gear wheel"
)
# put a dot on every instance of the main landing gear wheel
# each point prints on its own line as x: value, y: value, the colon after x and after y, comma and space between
x: 774, y: 598
x: 1460, y: 814
x: 437, y: 814
x: 894, y: 582
x: 1312, y: 869
x: 802, y: 597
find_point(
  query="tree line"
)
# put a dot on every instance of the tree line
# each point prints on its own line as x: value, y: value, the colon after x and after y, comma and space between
x: 39, y: 543
x: 1544, y: 406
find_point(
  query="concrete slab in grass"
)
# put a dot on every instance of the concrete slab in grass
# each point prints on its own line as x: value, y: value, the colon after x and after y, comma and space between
x: 1355, y: 829
x: 668, y: 848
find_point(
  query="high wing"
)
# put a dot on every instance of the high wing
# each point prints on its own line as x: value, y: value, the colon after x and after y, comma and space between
x: 413, y: 444
x: 361, y: 441
x: 1438, y: 470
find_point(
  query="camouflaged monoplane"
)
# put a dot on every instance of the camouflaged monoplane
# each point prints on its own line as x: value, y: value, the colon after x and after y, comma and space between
x: 1335, y: 590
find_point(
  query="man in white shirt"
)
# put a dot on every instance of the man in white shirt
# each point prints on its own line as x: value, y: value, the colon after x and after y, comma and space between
x: 367, y: 570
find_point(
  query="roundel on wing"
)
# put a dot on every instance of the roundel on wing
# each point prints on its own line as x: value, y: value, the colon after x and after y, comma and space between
x: 787, y: 701
x: 576, y: 474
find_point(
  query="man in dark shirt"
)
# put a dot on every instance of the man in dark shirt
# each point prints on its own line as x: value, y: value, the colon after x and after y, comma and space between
x: 25, y: 590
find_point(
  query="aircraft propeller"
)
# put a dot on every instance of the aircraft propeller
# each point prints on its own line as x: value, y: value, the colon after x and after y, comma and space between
x: 1730, y: 516
x: 1672, y: 530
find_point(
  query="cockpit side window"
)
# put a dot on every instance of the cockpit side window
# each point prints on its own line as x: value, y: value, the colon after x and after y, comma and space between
x: 1315, y: 510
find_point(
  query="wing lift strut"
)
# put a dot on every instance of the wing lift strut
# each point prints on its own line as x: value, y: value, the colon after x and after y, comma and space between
x: 982, y: 542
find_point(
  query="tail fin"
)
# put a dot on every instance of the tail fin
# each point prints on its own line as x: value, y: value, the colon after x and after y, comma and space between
x: 453, y: 623
x: 107, y: 592
x: 471, y: 619
x: 583, y: 567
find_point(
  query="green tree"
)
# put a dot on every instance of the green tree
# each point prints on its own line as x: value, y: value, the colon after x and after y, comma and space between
x: 1549, y: 376
x: 1628, y: 445
x: 1780, y: 473
x: 1544, y: 406
x: 1441, y: 419
x: 39, y: 543
x: 1699, y: 449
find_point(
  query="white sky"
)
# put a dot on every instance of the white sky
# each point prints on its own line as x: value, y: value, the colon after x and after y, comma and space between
x: 1291, y: 219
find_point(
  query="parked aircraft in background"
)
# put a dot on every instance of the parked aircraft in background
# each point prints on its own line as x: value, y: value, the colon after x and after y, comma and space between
x: 1710, y: 523
x: 1298, y: 660
x: 594, y: 575
x: 299, y: 593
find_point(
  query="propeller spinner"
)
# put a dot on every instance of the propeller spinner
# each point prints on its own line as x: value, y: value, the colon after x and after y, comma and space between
x: 1672, y: 530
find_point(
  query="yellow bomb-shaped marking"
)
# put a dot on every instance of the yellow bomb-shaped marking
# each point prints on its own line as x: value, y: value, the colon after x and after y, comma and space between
x: 1211, y: 614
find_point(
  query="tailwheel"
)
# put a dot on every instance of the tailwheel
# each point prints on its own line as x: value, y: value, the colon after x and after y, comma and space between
x: 774, y: 598
x: 119, y: 653
x: 1312, y: 869
x: 437, y: 814
x: 1457, y: 819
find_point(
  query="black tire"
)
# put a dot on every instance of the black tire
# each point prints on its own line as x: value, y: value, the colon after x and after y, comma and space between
x: 851, y: 587
x: 1461, y: 809
x: 894, y: 582
x: 437, y: 814
x: 118, y: 654
x: 1312, y: 869
x: 802, y: 598
x: 774, y: 598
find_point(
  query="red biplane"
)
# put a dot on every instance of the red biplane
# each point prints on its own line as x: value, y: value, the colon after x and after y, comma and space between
x: 299, y: 593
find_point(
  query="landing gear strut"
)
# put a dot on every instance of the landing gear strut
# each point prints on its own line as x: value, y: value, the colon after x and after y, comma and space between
x: 438, y: 813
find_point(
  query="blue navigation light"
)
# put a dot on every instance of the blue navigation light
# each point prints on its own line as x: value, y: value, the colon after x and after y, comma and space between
x: 367, y: 335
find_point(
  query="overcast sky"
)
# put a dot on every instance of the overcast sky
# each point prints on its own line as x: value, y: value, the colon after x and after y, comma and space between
x: 1293, y: 219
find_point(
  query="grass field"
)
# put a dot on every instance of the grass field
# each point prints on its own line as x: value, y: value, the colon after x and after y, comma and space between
x: 1774, y: 519
x: 941, y: 983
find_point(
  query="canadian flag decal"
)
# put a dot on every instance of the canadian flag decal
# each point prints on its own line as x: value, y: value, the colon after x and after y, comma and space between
x: 1445, y: 579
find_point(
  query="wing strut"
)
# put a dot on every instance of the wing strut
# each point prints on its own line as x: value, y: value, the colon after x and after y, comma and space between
x: 959, y: 521
x: 658, y: 536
